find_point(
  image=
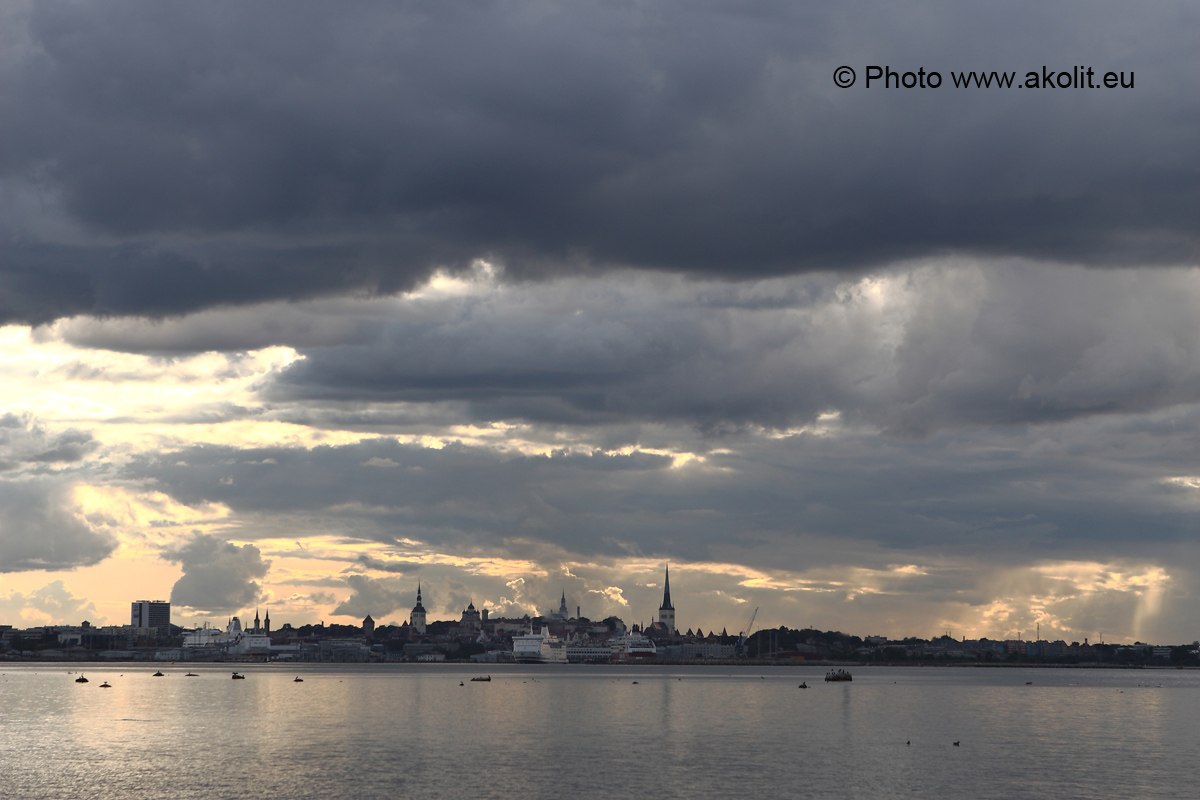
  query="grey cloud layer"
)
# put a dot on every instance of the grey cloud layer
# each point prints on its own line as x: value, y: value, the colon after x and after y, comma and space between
x: 158, y: 159
x: 24, y: 442
x: 909, y: 351
x: 1013, y: 497
x: 912, y: 352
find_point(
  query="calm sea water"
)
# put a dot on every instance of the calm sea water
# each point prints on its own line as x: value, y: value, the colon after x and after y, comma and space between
x: 391, y: 731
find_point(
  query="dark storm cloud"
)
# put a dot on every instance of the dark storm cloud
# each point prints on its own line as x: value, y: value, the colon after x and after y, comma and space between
x: 158, y: 159
x: 218, y: 576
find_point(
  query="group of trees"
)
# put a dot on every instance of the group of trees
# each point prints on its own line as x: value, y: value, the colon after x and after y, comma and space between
x: 783, y: 642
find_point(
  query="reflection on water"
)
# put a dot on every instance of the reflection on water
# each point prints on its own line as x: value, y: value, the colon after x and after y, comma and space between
x: 377, y: 731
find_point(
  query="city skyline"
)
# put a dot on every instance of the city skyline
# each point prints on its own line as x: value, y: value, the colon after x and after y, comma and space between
x: 299, y: 310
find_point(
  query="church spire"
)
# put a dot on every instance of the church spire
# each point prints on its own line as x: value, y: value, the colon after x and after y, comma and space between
x: 418, y: 614
x: 666, y: 612
x: 419, y: 607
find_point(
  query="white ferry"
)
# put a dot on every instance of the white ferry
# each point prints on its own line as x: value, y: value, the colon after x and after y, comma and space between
x: 539, y: 648
x: 632, y: 646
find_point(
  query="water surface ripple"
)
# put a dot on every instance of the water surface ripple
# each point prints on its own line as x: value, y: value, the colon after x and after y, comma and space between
x: 387, y: 731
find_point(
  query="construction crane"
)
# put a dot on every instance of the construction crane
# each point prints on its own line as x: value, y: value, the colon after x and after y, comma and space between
x: 740, y: 647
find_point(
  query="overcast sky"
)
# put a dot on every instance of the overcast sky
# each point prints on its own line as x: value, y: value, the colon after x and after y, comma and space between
x: 301, y: 304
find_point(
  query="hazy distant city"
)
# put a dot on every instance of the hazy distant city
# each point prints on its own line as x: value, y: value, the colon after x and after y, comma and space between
x: 561, y: 635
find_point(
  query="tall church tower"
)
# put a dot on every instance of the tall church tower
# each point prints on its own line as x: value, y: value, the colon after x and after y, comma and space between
x: 418, y: 614
x: 666, y: 612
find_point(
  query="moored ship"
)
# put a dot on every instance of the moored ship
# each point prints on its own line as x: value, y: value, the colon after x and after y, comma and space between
x: 631, y: 646
x: 539, y: 648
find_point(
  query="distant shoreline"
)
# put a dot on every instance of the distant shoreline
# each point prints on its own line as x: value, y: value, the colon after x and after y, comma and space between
x: 799, y: 665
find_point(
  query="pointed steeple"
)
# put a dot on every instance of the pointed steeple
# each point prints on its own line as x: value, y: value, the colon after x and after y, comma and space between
x: 666, y: 604
x: 666, y: 612
x: 418, y: 614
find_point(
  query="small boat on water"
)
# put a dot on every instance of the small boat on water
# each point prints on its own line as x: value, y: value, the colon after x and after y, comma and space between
x: 237, y: 676
x: 481, y: 680
x: 106, y: 685
x: 157, y: 675
x: 191, y: 675
x: 835, y: 675
x: 297, y: 679
x: 81, y: 679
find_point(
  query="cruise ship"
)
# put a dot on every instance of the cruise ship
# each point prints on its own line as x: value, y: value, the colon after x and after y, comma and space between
x: 539, y: 648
